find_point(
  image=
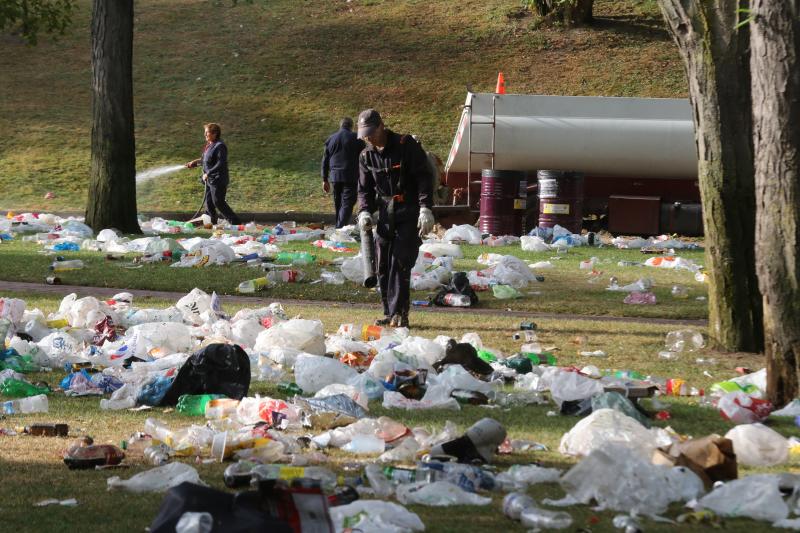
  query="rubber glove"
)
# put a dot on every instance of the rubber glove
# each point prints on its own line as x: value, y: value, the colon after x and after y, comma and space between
x: 425, y: 221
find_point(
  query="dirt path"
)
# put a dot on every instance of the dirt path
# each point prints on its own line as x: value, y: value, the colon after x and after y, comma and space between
x: 60, y: 290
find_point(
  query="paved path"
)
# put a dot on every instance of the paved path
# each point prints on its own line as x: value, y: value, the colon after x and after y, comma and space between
x: 60, y: 290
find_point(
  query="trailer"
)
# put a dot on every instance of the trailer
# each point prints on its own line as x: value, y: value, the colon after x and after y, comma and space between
x: 636, y: 157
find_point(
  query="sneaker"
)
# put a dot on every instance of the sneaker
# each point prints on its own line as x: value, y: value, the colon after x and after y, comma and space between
x: 399, y: 321
x: 385, y: 321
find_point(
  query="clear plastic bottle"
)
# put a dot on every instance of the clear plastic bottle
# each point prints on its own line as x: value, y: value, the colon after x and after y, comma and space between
x: 252, y: 285
x: 159, y: 431
x: 456, y: 300
x: 63, y: 266
x: 32, y: 404
x: 285, y: 276
x: 157, y: 455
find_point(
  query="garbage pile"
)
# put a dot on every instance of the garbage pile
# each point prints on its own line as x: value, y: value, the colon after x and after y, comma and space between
x: 195, y: 357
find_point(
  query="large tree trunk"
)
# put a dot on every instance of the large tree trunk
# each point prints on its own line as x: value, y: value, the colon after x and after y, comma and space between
x: 112, y: 187
x: 568, y: 12
x: 717, y: 66
x: 775, y: 66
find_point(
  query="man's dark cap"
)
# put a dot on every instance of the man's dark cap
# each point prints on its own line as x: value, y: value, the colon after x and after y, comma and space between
x: 368, y: 121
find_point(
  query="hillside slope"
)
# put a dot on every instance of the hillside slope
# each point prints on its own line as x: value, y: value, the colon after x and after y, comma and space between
x: 278, y: 74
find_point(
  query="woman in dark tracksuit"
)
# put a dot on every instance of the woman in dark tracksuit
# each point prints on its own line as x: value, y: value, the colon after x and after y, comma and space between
x: 215, y: 175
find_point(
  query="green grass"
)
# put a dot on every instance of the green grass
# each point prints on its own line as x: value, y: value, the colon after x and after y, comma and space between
x: 278, y: 75
x: 32, y: 469
x: 566, y: 288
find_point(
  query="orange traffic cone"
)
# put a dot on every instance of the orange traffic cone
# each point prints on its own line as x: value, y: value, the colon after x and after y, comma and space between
x: 501, y: 84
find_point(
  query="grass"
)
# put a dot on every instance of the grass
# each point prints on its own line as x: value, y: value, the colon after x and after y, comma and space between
x: 566, y: 288
x: 278, y: 76
x: 32, y: 469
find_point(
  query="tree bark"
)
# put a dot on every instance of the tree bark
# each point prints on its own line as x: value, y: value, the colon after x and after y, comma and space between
x: 112, y: 185
x: 775, y: 67
x: 716, y: 58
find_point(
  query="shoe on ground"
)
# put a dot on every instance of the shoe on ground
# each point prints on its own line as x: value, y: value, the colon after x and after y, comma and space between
x: 399, y: 321
x: 385, y: 321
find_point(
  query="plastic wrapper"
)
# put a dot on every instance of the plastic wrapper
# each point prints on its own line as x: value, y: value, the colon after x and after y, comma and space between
x: 758, y: 445
x: 157, y: 479
x: 304, y: 335
x: 757, y: 497
x: 438, y: 494
x: 313, y: 372
x: 395, y: 400
x: 375, y: 516
x: 740, y: 408
x: 519, y: 477
x: 609, y: 426
x: 619, y: 480
x: 330, y: 411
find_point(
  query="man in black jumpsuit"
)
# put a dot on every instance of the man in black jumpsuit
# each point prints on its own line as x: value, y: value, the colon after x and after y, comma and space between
x: 340, y: 167
x: 394, y: 180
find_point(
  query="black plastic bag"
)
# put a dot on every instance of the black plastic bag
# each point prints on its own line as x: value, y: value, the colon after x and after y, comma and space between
x: 216, y: 369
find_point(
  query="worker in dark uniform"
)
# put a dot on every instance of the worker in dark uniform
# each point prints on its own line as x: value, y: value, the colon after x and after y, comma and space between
x: 394, y: 180
x: 340, y: 167
x: 215, y: 175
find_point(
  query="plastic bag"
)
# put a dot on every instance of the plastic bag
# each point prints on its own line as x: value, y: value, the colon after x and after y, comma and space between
x: 375, y: 516
x: 304, y: 335
x: 353, y: 269
x: 505, y: 292
x: 438, y: 494
x: 617, y: 479
x: 537, y: 518
x: 740, y: 408
x: 758, y: 445
x: 534, y: 244
x: 757, y: 497
x: 12, y: 309
x: 568, y: 386
x: 439, y: 249
x: 168, y: 337
x: 313, y: 372
x: 609, y: 426
x: 157, y: 479
x: 615, y: 400
x: 194, y: 306
x: 195, y: 523
x: 463, y: 233
x: 684, y: 340
x: 245, y: 332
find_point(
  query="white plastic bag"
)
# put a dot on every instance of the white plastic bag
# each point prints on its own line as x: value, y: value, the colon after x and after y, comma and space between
x: 194, y: 305
x: 758, y: 445
x: 170, y: 337
x: 375, y: 516
x: 157, y: 479
x: 439, y: 249
x: 534, y: 244
x: 519, y: 477
x: 568, y: 386
x: 353, y: 269
x: 313, y: 372
x: 438, y: 494
x: 463, y: 233
x: 757, y: 497
x: 304, y: 335
x: 245, y: 332
x: 610, y: 426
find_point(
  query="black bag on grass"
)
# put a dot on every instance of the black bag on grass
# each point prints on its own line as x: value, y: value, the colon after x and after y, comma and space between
x: 216, y: 369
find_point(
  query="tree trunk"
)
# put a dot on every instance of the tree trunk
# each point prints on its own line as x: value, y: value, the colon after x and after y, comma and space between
x: 569, y: 12
x: 716, y: 58
x: 775, y: 67
x: 112, y: 186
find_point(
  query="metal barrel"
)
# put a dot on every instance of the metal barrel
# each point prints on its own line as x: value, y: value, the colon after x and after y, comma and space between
x: 504, y: 196
x: 561, y: 199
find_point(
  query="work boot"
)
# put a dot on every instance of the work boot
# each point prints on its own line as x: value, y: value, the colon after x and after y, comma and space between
x: 385, y: 321
x: 399, y: 321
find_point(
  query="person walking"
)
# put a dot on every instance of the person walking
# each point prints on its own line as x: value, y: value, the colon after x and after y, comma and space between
x: 394, y: 180
x: 215, y: 175
x: 340, y: 168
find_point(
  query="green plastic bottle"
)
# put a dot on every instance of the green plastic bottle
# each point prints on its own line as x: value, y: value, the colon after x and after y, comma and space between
x: 289, y: 388
x: 19, y: 363
x: 521, y: 364
x: 195, y: 404
x: 294, y: 258
x: 544, y: 358
x: 487, y: 356
x: 16, y: 388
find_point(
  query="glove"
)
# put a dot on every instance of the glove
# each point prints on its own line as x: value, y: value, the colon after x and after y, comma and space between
x: 425, y: 221
x: 365, y: 221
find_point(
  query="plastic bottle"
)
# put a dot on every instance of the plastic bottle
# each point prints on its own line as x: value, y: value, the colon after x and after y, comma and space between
x: 294, y: 258
x: 21, y: 389
x: 456, y: 300
x: 252, y: 285
x: 63, y: 266
x: 487, y: 356
x: 195, y: 404
x: 157, y: 454
x: 221, y: 408
x: 285, y: 276
x: 241, y: 473
x: 289, y: 388
x: 516, y: 502
x: 159, y: 431
x: 32, y: 404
